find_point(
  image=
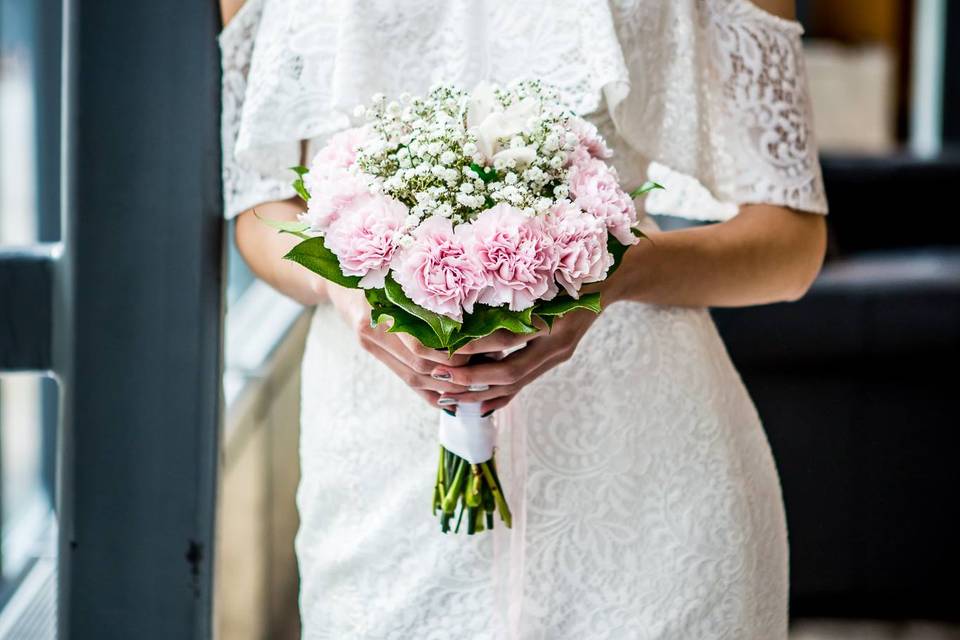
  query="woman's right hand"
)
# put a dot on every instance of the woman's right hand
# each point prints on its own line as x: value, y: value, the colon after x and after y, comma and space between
x: 403, y: 354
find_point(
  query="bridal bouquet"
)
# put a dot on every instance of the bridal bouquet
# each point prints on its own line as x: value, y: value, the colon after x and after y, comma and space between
x: 461, y: 214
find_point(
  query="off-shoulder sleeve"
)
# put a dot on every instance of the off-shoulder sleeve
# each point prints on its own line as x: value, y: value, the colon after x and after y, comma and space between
x: 717, y: 92
x: 275, y: 95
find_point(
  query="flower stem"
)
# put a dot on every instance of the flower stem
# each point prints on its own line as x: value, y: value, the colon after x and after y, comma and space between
x: 497, y: 494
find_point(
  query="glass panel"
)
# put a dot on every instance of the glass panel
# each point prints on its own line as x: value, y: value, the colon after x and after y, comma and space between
x: 18, y: 219
x: 29, y: 131
x: 26, y: 512
x: 239, y: 276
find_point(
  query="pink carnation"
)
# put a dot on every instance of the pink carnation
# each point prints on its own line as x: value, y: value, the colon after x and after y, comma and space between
x: 581, y: 244
x: 590, y: 139
x: 437, y: 272
x: 365, y: 236
x: 517, y: 256
x: 332, y: 193
x: 332, y: 186
x: 341, y: 149
x: 594, y: 188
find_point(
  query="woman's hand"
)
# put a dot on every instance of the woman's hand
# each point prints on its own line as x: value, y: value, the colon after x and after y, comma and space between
x: 495, y: 383
x: 403, y: 354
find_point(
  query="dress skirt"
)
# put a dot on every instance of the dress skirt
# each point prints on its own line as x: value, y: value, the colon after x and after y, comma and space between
x: 645, y: 498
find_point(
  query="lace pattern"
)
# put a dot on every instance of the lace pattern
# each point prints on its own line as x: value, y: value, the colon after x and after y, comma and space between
x: 645, y: 497
x: 712, y: 89
x: 646, y: 504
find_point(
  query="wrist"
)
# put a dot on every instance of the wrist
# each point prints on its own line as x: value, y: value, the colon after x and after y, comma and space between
x: 626, y: 283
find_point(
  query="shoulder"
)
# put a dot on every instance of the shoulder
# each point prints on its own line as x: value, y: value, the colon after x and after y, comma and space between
x: 786, y: 9
x: 228, y: 9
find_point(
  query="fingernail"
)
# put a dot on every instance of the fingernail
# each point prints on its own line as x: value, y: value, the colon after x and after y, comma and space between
x: 478, y: 387
x: 450, y: 412
x: 488, y: 413
x: 446, y: 402
x: 441, y: 375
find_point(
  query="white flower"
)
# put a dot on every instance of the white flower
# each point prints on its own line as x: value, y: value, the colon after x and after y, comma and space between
x: 447, y: 157
x: 490, y: 124
x: 405, y: 241
x: 469, y: 149
x: 516, y: 156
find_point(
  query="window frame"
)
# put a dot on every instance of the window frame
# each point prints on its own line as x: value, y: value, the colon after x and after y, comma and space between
x: 126, y: 313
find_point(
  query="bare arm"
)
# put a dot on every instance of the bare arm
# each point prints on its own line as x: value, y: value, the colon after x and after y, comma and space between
x: 263, y: 249
x: 764, y: 254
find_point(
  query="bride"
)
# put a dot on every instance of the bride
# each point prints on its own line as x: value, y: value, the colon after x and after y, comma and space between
x: 646, y: 501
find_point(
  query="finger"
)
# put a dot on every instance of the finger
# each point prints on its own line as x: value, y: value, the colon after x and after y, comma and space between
x: 490, y: 393
x: 416, y: 381
x: 391, y: 343
x: 504, y: 390
x: 500, y: 340
x: 501, y: 372
x: 493, y: 405
x: 439, y: 356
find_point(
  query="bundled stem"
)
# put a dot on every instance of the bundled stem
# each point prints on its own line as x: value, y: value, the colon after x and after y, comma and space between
x: 474, y: 489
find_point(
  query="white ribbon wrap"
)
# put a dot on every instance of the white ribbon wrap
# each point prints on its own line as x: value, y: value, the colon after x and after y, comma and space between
x: 468, y: 434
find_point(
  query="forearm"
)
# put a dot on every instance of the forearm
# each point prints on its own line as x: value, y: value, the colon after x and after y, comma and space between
x: 765, y: 254
x: 263, y: 249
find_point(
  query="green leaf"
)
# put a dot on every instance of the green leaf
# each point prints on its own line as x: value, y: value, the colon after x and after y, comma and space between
x: 286, y: 226
x: 485, y: 320
x: 298, y: 184
x: 314, y: 255
x: 564, y: 304
x: 403, y: 322
x: 548, y: 320
x: 458, y: 344
x: 441, y: 325
x: 301, y: 190
x: 645, y: 188
x: 487, y: 175
x: 617, y: 249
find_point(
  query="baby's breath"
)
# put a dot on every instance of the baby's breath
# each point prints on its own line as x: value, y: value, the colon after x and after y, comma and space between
x: 424, y: 154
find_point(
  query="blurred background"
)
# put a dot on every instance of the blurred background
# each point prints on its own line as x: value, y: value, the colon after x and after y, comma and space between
x: 855, y: 383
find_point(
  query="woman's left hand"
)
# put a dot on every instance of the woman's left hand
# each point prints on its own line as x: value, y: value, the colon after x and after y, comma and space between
x: 496, y: 382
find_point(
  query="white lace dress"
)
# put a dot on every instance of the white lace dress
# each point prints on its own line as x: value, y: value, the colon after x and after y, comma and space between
x: 646, y: 501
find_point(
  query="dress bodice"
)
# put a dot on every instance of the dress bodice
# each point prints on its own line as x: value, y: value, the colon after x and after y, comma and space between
x: 713, y: 92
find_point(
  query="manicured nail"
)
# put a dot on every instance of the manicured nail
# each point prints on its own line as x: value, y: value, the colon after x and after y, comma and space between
x: 488, y: 413
x: 442, y: 375
x: 478, y: 387
x: 450, y: 412
x: 446, y: 402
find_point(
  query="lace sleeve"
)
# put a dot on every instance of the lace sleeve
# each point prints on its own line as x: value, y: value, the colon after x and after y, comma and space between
x: 244, y: 186
x: 722, y: 98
